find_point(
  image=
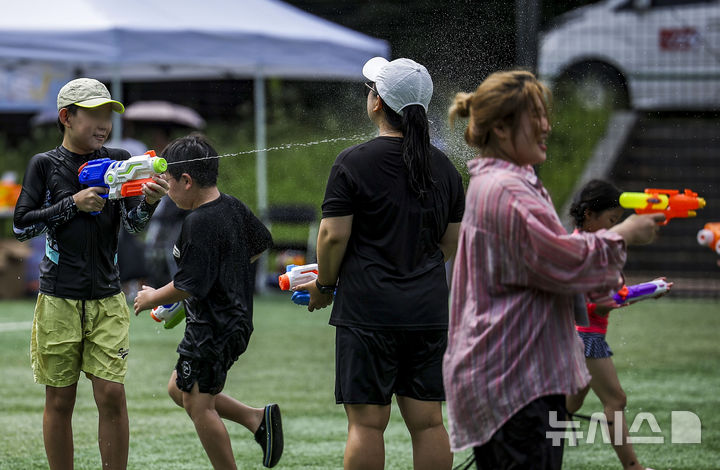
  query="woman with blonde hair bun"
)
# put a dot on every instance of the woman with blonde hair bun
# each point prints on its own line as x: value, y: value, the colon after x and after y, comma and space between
x: 512, y: 352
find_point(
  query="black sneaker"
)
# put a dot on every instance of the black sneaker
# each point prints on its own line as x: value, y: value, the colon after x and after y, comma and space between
x: 270, y: 436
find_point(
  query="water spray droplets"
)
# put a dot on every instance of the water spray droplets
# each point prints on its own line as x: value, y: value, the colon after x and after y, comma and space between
x: 352, y: 138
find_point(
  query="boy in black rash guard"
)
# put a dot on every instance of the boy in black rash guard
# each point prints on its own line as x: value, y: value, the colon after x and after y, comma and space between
x: 81, y: 317
x: 218, y: 241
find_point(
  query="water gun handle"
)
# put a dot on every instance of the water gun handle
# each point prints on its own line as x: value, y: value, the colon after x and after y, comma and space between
x: 102, y: 195
x: 301, y: 297
x: 91, y: 173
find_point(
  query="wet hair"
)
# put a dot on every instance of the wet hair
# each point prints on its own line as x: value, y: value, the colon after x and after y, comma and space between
x: 72, y: 109
x: 204, y: 172
x: 413, y: 123
x: 596, y: 196
x: 501, y: 98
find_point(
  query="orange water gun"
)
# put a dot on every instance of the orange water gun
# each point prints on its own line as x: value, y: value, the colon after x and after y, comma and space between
x: 670, y: 202
x: 710, y: 236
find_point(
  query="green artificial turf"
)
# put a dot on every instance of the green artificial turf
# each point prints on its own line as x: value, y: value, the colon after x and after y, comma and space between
x: 666, y: 354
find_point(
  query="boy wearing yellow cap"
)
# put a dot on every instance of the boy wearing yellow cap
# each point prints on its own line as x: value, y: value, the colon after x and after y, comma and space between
x: 81, y: 316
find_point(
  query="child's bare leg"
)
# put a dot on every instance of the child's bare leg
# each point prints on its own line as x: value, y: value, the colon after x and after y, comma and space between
x: 175, y: 393
x: 57, y: 426
x: 606, y: 385
x: 113, y: 426
x: 210, y: 428
x: 226, y: 406
x: 234, y: 410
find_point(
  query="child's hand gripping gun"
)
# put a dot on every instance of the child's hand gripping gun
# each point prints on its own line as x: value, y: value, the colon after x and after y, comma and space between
x: 171, y: 314
x: 710, y: 236
x: 296, y: 275
x: 647, y: 290
x: 123, y: 178
x: 670, y: 202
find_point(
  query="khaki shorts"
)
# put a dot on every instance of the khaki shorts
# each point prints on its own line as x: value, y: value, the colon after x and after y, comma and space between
x: 69, y: 336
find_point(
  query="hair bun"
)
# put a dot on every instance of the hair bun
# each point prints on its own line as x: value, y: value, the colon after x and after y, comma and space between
x: 460, y: 106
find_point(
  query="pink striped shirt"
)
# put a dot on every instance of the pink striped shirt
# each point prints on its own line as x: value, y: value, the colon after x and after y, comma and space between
x: 512, y: 334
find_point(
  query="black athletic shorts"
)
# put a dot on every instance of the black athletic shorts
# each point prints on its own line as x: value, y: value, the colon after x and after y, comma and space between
x: 372, y: 365
x: 522, y: 441
x: 210, y: 374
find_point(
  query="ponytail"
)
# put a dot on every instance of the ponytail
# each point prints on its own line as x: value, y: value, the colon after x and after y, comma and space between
x: 413, y: 124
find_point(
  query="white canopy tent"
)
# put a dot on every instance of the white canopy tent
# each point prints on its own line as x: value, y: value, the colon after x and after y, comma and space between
x: 136, y: 40
x: 141, y: 40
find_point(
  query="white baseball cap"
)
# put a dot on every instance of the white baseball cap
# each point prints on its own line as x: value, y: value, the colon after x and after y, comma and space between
x: 400, y: 83
x: 86, y: 93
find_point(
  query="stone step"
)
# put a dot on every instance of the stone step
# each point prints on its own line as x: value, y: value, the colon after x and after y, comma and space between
x: 700, y: 155
x: 661, y: 130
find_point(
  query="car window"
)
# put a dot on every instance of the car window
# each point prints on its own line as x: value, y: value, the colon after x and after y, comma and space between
x: 675, y: 3
x: 630, y: 4
x: 626, y: 5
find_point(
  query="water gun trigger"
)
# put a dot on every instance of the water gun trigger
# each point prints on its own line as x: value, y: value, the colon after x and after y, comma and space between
x: 623, y: 293
x: 103, y: 194
x: 667, y: 219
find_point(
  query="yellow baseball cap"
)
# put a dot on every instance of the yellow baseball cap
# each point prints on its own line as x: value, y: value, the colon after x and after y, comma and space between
x: 86, y: 93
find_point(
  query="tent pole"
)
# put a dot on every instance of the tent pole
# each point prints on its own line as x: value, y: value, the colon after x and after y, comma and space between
x: 261, y: 173
x: 117, y: 95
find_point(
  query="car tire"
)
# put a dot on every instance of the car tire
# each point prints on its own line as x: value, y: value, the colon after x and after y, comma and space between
x: 596, y: 85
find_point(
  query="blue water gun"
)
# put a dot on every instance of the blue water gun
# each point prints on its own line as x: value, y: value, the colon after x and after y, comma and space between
x: 122, y: 178
x: 296, y: 275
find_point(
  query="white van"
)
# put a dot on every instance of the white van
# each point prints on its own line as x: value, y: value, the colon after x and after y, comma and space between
x: 645, y: 54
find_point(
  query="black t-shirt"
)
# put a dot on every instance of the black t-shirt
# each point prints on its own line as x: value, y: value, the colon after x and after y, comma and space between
x: 393, y: 273
x: 213, y: 255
